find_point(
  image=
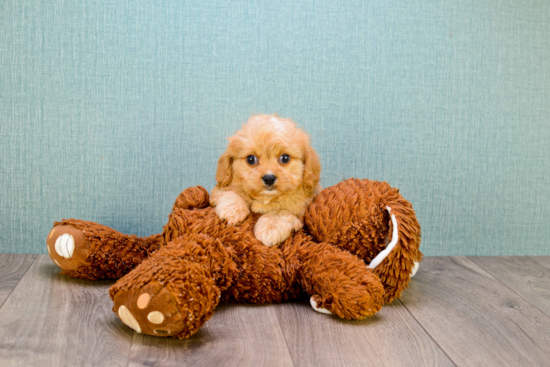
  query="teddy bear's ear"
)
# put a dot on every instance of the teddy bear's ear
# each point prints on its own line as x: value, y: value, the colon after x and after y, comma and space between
x: 312, y: 169
x: 224, y: 173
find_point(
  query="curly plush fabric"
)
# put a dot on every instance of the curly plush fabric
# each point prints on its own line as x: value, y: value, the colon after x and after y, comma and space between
x: 362, y: 227
x: 170, y: 283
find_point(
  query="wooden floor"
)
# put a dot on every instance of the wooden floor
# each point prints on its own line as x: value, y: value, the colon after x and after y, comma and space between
x: 463, y: 311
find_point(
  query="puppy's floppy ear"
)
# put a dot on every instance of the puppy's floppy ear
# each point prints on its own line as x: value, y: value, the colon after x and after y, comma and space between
x: 312, y: 169
x: 224, y: 172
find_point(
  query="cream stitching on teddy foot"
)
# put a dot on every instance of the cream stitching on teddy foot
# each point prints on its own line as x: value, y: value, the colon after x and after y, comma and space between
x: 155, y: 317
x: 64, y: 246
x: 313, y: 304
x: 129, y: 319
x: 143, y: 300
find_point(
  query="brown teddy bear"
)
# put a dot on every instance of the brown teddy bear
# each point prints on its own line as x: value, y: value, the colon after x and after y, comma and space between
x: 357, y: 251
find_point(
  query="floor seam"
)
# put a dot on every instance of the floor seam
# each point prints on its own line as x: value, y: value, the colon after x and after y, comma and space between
x: 508, y: 287
x: 427, y: 333
x: 284, y: 337
x: 19, y: 282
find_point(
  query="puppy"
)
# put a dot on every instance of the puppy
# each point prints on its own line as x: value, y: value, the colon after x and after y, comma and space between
x: 270, y: 168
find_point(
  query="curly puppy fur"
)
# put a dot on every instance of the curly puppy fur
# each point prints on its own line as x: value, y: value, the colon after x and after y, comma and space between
x: 269, y: 168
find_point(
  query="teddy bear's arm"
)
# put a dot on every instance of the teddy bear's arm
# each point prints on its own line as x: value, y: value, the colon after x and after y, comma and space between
x: 93, y: 251
x: 192, y: 198
x: 90, y: 250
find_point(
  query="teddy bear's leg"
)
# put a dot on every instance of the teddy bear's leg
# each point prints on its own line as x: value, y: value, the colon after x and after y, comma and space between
x: 92, y: 251
x: 192, y: 198
x: 338, y: 281
x: 174, y: 292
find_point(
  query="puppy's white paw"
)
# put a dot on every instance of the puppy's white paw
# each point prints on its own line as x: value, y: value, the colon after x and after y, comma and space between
x: 232, y: 208
x: 273, y: 228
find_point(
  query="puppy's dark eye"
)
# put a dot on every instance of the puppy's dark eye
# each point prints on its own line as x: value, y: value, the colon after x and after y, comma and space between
x: 284, y: 159
x: 252, y: 160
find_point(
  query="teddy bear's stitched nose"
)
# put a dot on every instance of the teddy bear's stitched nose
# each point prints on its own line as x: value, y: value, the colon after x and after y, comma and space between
x: 269, y: 179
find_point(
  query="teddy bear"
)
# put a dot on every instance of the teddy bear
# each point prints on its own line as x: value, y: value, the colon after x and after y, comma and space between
x: 357, y: 251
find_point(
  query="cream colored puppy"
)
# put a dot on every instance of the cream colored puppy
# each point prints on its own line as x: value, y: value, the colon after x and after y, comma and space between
x: 270, y: 168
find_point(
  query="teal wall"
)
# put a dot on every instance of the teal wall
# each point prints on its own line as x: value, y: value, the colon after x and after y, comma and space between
x: 109, y: 109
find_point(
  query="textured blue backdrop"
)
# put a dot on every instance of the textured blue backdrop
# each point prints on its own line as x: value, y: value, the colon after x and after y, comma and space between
x: 109, y: 109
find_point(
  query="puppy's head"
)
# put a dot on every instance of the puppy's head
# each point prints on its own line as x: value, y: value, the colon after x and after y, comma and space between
x: 269, y: 157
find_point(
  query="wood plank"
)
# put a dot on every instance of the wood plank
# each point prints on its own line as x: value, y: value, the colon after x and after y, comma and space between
x: 527, y: 276
x: 53, y: 320
x: 237, y: 335
x: 474, y: 318
x: 390, y: 338
x: 12, y: 269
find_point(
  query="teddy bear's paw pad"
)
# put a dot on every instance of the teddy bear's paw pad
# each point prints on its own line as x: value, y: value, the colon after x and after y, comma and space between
x: 155, y: 317
x: 314, y: 305
x: 143, y: 300
x: 129, y: 319
x: 64, y: 245
x: 150, y: 310
x: 67, y: 247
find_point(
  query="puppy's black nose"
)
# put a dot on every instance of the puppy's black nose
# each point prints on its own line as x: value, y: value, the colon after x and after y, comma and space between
x: 269, y: 179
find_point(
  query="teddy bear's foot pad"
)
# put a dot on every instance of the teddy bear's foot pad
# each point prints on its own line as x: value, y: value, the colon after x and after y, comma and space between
x: 127, y: 318
x: 149, y: 310
x: 67, y: 247
x: 64, y: 245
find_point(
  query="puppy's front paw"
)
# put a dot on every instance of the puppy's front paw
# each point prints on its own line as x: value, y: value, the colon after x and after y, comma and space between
x: 273, y: 228
x: 231, y: 208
